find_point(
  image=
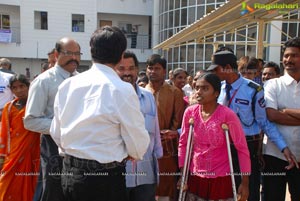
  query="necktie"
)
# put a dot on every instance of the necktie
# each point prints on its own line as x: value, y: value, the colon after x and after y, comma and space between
x: 228, y: 88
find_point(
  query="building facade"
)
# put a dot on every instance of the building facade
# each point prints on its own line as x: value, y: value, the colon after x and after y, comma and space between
x: 29, y: 29
x: 175, y: 15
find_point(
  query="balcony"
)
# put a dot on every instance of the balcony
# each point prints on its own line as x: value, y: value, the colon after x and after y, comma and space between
x: 138, y: 41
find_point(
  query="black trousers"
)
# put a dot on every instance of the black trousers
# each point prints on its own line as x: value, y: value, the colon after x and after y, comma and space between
x: 51, y: 164
x: 88, y: 180
x: 39, y: 186
x: 144, y: 192
x: 254, y: 178
x: 275, y: 178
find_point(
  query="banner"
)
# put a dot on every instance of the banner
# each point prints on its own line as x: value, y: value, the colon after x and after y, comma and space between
x: 5, y: 36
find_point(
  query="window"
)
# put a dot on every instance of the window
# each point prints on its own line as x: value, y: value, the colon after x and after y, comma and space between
x: 5, y: 32
x: 77, y: 23
x: 103, y: 23
x: 292, y: 28
x: 41, y: 20
x: 4, y: 22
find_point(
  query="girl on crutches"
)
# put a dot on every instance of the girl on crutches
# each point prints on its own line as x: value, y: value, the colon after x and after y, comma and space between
x: 210, y: 175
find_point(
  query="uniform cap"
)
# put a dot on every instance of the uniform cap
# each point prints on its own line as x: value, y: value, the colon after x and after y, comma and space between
x: 221, y: 59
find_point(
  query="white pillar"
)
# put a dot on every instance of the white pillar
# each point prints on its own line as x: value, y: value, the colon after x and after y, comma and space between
x: 155, y: 25
x: 275, y: 38
x: 260, y: 42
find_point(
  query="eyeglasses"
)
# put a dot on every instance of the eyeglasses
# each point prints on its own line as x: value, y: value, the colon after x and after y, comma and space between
x: 68, y: 53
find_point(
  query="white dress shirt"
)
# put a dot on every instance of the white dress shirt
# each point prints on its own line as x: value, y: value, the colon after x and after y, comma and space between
x: 97, y: 117
x: 42, y: 91
x: 188, y: 90
x: 5, y: 92
x: 281, y: 93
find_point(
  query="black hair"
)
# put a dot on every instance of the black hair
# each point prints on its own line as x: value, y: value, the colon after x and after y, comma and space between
x: 224, y: 48
x: 225, y: 57
x: 212, y: 79
x: 234, y: 65
x: 59, y: 45
x: 45, y: 65
x: 143, y: 79
x: 261, y: 60
x: 52, y: 51
x: 142, y: 73
x: 156, y: 58
x: 274, y: 65
x: 22, y: 78
x: 293, y: 42
x: 129, y: 54
x: 252, y: 64
x: 107, y: 45
x: 177, y: 71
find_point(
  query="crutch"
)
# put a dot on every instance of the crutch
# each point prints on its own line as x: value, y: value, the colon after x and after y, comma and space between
x: 186, y: 167
x: 225, y: 128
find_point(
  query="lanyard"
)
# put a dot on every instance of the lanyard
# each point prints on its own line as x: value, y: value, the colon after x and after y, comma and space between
x: 233, y: 95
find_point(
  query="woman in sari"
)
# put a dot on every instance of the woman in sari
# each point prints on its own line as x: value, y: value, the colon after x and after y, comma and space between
x: 19, y: 148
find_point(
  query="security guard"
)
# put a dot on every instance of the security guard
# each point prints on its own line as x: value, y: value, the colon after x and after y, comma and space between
x: 246, y: 99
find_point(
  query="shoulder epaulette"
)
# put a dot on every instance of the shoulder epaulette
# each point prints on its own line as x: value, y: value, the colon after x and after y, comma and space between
x: 255, y: 86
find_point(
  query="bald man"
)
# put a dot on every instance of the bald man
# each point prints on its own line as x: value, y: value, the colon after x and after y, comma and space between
x: 39, y: 113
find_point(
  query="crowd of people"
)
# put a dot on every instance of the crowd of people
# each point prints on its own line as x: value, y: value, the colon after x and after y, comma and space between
x: 117, y: 133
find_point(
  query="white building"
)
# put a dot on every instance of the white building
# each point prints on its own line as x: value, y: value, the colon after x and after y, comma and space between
x: 176, y: 16
x: 29, y: 29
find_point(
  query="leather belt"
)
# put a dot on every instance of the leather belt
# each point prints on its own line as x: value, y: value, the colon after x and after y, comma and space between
x: 92, y: 164
x: 253, y: 137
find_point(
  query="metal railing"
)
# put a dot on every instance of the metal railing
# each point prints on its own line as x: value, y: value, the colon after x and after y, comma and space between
x: 138, y: 41
x: 134, y: 41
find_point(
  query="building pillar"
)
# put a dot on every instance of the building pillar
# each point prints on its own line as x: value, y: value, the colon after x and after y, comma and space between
x: 155, y: 25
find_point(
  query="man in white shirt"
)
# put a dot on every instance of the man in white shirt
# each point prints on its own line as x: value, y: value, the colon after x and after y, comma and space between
x: 5, y: 92
x: 188, y: 89
x: 282, y: 97
x: 98, y: 124
x: 39, y: 113
x: 5, y: 66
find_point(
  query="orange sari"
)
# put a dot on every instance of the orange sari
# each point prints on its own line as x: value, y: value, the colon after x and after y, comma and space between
x: 21, y: 149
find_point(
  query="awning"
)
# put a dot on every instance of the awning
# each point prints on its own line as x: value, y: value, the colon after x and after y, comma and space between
x: 228, y: 17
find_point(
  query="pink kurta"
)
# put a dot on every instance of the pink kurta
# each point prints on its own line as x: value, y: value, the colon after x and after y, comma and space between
x: 210, y: 155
